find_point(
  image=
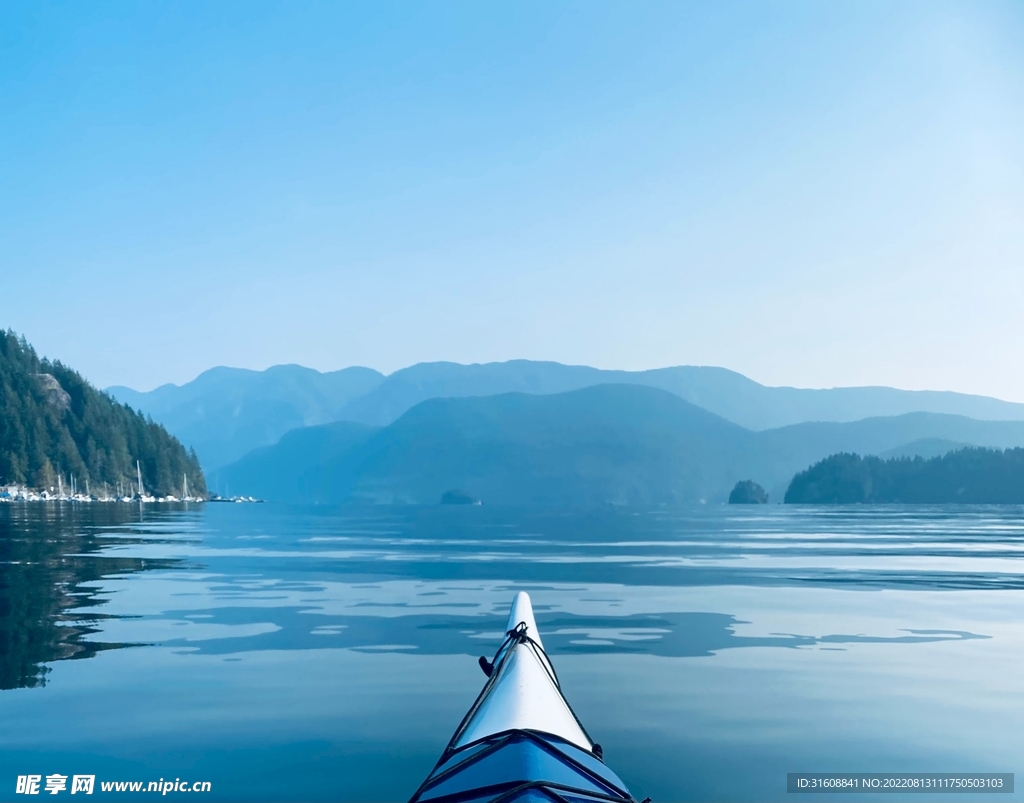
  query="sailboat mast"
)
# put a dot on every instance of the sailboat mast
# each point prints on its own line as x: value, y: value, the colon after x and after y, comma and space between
x: 138, y: 468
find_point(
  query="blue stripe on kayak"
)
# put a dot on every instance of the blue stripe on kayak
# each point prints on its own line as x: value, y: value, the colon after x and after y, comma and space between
x: 518, y: 766
x: 532, y: 795
x: 462, y: 754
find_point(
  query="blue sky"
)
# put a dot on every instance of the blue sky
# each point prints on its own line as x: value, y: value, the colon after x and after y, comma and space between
x: 813, y: 194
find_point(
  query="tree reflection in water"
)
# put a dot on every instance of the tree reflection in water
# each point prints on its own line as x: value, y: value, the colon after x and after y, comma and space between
x: 53, y: 559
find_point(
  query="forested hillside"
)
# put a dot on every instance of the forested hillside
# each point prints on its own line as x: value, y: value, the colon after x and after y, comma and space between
x: 968, y: 476
x: 53, y: 422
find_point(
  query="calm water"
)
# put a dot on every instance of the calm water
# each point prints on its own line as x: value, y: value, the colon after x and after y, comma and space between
x: 327, y: 654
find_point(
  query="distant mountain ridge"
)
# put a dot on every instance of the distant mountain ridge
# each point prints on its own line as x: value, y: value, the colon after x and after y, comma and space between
x: 226, y: 412
x: 726, y: 393
x: 924, y: 447
x: 605, y: 444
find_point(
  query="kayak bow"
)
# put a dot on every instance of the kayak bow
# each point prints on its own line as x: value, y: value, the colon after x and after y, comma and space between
x: 520, y: 740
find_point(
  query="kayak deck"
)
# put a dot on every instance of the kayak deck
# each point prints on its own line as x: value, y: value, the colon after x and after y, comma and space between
x: 520, y: 741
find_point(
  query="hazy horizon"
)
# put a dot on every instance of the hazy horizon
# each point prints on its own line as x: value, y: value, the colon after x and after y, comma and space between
x: 812, y: 195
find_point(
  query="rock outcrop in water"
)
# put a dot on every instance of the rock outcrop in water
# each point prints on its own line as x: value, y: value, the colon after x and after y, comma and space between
x: 748, y: 492
x: 458, y: 497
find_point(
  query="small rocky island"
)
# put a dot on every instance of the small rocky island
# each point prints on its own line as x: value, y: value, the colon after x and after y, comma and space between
x: 458, y: 497
x: 748, y: 492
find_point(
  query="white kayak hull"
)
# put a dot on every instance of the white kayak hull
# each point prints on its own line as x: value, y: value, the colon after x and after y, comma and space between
x: 524, y: 693
x: 521, y: 741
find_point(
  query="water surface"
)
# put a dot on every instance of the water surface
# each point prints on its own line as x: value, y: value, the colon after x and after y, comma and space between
x: 328, y: 653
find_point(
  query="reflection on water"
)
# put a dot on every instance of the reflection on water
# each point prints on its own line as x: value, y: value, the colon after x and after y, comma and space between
x: 51, y: 564
x: 669, y: 634
x: 327, y: 654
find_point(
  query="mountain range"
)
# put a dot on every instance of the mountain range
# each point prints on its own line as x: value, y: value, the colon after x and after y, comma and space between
x: 618, y: 444
x: 225, y: 413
